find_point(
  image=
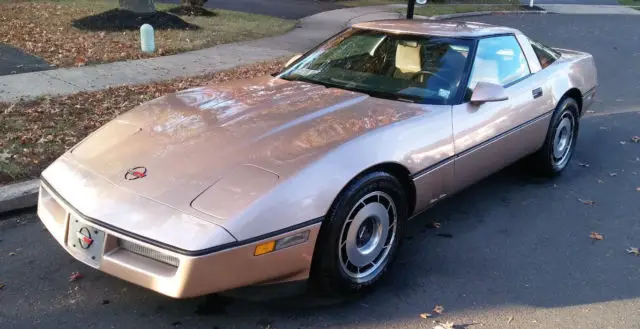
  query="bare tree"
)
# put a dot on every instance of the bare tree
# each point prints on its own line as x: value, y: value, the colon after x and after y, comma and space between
x: 138, y: 6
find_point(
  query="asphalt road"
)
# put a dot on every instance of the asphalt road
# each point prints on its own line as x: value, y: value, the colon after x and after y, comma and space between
x: 291, y: 9
x: 14, y: 60
x: 519, y: 255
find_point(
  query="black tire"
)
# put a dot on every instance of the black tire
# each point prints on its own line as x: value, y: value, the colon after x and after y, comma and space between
x: 328, y: 274
x: 544, y: 162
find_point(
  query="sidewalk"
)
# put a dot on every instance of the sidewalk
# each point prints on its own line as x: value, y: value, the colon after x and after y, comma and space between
x: 312, y: 30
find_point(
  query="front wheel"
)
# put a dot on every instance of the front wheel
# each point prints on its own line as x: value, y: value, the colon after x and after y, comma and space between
x: 360, y: 235
x: 561, y: 140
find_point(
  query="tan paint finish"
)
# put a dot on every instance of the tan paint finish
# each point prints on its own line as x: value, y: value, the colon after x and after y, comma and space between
x: 195, y: 275
x: 235, y: 161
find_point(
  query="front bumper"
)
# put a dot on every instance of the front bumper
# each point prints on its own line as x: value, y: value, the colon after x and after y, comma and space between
x: 169, y: 272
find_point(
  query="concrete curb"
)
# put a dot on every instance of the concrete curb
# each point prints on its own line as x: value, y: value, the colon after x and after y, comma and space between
x: 19, y: 195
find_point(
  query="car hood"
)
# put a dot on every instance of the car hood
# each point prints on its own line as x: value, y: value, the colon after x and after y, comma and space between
x: 189, y: 140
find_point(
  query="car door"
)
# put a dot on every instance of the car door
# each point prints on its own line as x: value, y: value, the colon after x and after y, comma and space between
x: 489, y: 136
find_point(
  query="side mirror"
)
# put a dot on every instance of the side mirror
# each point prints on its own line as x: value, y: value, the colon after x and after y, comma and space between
x: 293, y: 59
x: 488, y: 92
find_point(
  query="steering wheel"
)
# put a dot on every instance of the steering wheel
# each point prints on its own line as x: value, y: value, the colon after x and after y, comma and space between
x: 439, y: 77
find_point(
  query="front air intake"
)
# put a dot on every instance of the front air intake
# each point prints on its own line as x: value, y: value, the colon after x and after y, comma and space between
x: 148, y: 252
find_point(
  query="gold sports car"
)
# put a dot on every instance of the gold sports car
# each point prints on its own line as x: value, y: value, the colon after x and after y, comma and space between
x: 312, y: 173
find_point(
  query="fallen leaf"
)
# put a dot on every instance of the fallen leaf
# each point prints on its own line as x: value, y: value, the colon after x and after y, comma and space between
x: 622, y: 142
x: 635, y: 139
x: 612, y: 174
x: 80, y: 61
x: 425, y: 315
x: 633, y: 251
x: 12, y: 253
x: 587, y: 202
x: 1, y: 286
x: 75, y: 276
x: 438, y: 309
x: 444, y: 325
x: 582, y: 164
x: 596, y: 236
x: 600, y: 181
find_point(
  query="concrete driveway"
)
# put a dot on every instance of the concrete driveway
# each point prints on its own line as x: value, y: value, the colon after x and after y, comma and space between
x: 512, y: 252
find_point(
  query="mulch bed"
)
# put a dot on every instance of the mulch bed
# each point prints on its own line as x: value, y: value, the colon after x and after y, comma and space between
x: 34, y: 133
x: 125, y: 20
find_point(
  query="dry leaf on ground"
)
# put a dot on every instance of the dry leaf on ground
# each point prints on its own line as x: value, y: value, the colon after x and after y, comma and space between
x: 587, y: 202
x: 444, y: 325
x: 596, y: 236
x: 635, y: 139
x: 438, y: 309
x: 434, y: 224
x: 45, y: 29
x: 425, y: 315
x: 12, y: 253
x: 1, y: 286
x: 612, y: 174
x: 582, y: 164
x: 622, y: 142
x: 633, y: 251
x: 600, y: 181
x: 75, y: 276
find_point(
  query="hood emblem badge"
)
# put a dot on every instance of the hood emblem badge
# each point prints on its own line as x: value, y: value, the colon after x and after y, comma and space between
x: 135, y: 173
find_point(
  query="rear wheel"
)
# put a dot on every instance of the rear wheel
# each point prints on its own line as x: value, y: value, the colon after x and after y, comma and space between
x: 360, y: 235
x: 561, y: 140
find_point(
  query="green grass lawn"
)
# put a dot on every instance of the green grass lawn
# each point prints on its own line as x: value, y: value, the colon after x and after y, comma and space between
x: 635, y: 4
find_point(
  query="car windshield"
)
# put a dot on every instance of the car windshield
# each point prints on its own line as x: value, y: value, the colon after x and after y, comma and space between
x: 424, y: 69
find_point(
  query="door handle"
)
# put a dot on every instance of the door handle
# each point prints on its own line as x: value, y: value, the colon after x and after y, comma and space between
x: 537, y: 92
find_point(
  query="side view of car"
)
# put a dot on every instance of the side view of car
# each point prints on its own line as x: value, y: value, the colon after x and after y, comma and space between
x: 313, y: 173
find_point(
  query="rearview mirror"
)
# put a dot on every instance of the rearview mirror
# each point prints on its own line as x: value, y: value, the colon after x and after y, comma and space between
x: 488, y: 92
x: 293, y: 59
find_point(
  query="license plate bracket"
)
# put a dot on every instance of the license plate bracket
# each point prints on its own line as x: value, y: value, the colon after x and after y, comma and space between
x: 85, y: 241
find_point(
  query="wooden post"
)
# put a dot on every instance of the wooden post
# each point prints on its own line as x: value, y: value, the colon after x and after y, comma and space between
x: 410, y: 7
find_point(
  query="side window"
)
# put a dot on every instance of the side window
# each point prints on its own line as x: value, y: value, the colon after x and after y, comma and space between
x: 545, y: 55
x: 499, y: 60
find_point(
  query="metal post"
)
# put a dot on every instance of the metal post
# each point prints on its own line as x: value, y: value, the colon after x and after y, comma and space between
x: 410, y: 7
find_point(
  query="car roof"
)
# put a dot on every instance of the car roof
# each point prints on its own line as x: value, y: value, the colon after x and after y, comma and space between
x: 442, y: 28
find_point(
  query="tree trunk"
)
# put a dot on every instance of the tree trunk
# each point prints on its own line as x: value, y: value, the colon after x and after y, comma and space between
x: 138, y: 6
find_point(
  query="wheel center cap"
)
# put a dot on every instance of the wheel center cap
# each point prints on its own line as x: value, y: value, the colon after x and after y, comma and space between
x: 365, y: 232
